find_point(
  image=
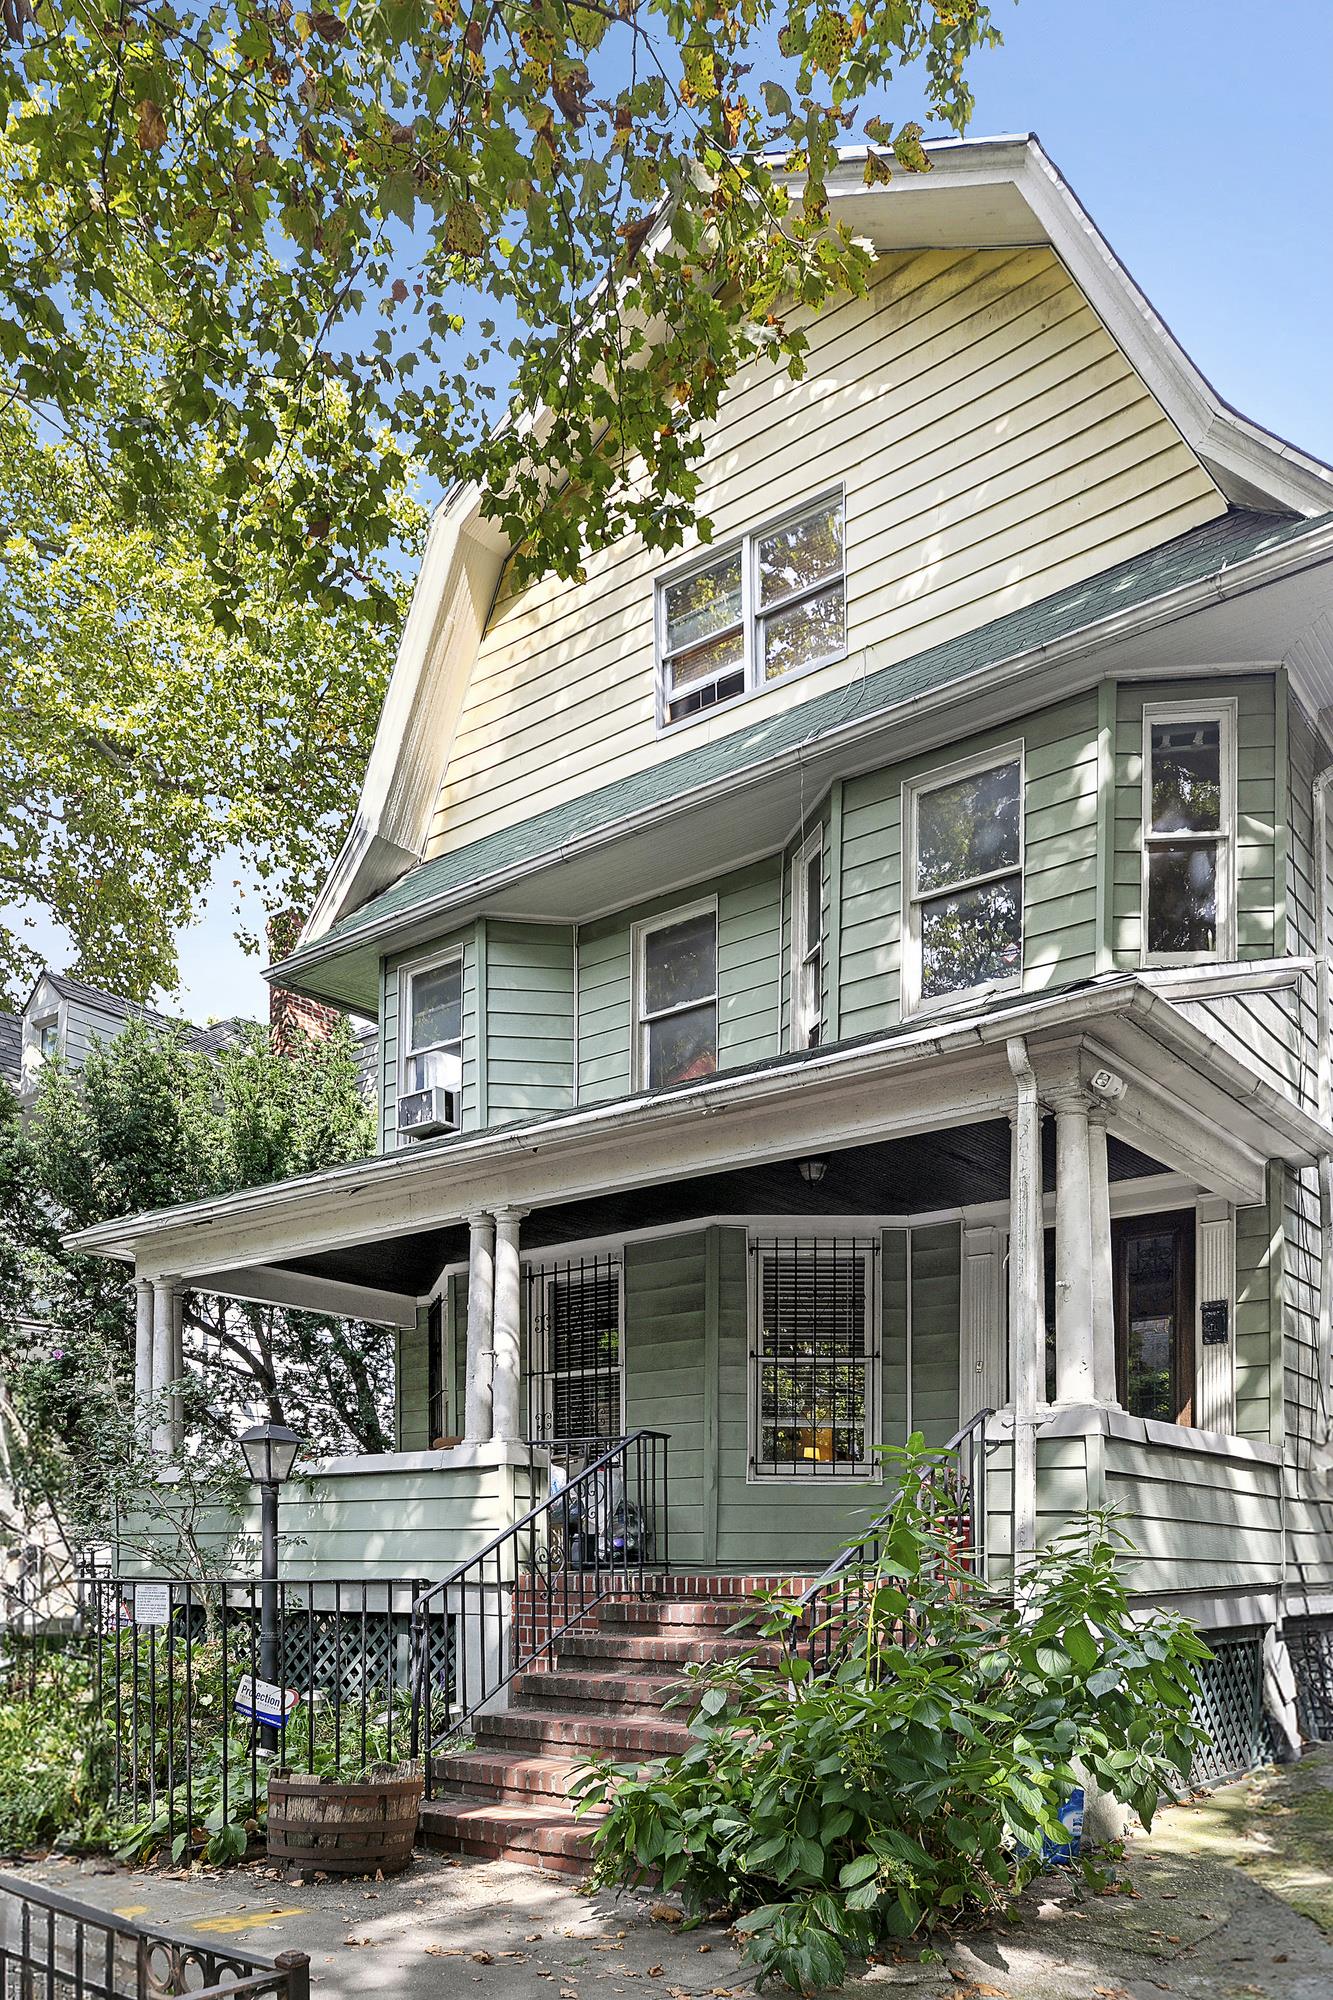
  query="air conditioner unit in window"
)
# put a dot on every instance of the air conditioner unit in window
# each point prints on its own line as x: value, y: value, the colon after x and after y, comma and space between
x: 424, y: 1113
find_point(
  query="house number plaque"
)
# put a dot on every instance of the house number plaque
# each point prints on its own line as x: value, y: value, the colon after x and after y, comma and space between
x: 1215, y: 1317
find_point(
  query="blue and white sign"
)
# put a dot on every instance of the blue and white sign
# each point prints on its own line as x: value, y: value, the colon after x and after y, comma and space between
x: 264, y: 1700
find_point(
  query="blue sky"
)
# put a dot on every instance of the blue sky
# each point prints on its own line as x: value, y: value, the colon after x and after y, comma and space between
x: 1197, y: 134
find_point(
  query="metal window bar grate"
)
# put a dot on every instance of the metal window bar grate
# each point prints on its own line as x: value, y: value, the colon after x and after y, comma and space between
x: 814, y: 1357
x: 62, y: 1949
x: 575, y: 1331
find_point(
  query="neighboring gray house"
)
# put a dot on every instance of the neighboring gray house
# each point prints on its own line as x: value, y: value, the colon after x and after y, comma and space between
x: 63, y: 1018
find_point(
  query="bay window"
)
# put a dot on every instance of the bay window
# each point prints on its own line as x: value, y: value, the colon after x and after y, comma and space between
x: 431, y: 1006
x: 1188, y: 833
x: 770, y: 604
x: 676, y: 987
x: 963, y: 875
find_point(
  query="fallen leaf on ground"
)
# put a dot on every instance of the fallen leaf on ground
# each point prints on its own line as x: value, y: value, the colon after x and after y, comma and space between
x: 356, y: 1940
x: 443, y: 1951
x: 482, y: 1958
x: 666, y: 1913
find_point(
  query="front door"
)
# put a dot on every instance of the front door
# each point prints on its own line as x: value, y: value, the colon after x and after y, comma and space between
x: 1153, y: 1262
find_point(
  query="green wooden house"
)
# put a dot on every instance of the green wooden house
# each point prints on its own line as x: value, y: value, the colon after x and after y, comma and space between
x: 860, y: 973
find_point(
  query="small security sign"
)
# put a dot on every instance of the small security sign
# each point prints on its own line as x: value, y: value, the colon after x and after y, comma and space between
x: 1215, y: 1320
x: 264, y: 1700
x: 152, y: 1603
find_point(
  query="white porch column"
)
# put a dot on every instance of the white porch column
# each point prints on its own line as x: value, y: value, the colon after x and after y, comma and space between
x: 1027, y: 1320
x: 177, y: 1368
x: 1103, y: 1276
x: 143, y: 1346
x: 164, y: 1314
x: 506, y: 1404
x: 1074, y: 1373
x: 479, y: 1390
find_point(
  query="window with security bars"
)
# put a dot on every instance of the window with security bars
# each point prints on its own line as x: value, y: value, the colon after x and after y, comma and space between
x: 813, y: 1360
x: 575, y: 1324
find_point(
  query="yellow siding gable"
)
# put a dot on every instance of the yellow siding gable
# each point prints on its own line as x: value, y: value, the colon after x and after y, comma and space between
x: 994, y: 444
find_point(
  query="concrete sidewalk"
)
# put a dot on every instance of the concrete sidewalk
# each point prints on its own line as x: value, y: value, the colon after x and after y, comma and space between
x: 1233, y: 1898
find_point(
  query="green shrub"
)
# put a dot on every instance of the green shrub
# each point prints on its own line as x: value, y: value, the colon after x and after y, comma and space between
x: 55, y: 1763
x: 907, y: 1785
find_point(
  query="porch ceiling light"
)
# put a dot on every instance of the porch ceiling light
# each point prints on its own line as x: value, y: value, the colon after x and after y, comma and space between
x: 812, y: 1170
x: 270, y: 1452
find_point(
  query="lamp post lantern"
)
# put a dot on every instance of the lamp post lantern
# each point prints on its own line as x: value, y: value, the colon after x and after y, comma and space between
x: 270, y: 1452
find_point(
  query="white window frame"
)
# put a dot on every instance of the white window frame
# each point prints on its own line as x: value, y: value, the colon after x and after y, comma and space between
x: 40, y: 1027
x: 871, y: 1471
x: 913, y: 791
x: 801, y: 950
x: 751, y: 619
x: 643, y: 1021
x: 1224, y: 840
x: 406, y: 976
x: 541, y: 1367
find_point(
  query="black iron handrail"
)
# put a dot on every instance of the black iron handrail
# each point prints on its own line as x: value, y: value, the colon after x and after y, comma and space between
x: 54, y: 1945
x: 964, y: 1459
x: 476, y: 1629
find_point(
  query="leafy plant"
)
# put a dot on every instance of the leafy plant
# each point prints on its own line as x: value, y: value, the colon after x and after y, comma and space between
x: 908, y: 1784
x: 55, y: 1762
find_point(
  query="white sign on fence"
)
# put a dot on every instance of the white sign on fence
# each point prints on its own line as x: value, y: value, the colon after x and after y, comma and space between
x: 152, y: 1603
x: 264, y: 1700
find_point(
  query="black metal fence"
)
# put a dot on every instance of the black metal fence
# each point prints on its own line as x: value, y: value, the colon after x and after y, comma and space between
x: 195, y: 1723
x: 54, y: 1948
x: 603, y: 1529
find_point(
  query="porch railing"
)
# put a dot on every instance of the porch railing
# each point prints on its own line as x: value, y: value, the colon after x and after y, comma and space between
x: 54, y: 1948
x: 193, y: 1724
x: 604, y: 1529
x: 957, y: 1478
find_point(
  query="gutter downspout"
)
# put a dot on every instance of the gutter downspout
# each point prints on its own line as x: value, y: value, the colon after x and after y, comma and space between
x: 1026, y: 1328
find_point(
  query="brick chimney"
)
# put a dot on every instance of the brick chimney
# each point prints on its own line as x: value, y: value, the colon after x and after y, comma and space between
x: 290, y: 1015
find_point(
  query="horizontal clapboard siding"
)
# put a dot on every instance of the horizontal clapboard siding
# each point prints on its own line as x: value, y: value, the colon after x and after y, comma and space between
x: 529, y: 1019
x: 664, y: 1373
x: 994, y: 445
x: 1060, y: 862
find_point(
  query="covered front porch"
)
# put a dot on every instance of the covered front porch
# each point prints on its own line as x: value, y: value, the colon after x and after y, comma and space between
x: 1059, y: 1211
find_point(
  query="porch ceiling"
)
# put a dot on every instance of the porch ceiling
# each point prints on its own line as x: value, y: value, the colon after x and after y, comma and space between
x: 910, y: 1120
x: 916, y: 1175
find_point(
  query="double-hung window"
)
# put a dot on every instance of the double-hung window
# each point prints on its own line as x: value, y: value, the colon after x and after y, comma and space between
x: 964, y: 879
x: 1188, y: 832
x: 813, y: 1365
x: 575, y: 1319
x: 768, y: 605
x: 676, y: 1013
x: 807, y: 945
x: 432, y: 1008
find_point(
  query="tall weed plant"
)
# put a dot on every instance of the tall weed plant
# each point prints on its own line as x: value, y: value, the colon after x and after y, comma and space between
x: 889, y: 1765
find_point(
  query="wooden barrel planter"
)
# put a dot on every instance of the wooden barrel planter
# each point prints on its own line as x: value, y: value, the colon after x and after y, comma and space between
x: 340, y: 1828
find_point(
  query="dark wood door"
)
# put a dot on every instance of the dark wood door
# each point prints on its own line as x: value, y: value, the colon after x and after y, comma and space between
x: 1153, y: 1263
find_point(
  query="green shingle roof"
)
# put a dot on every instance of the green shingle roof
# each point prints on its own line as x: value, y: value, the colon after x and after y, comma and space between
x: 1190, y: 558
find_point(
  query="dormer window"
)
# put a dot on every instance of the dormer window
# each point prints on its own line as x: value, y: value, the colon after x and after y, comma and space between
x: 46, y: 1037
x: 767, y: 606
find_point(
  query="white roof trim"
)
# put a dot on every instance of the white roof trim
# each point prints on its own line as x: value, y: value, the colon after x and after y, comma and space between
x: 464, y: 553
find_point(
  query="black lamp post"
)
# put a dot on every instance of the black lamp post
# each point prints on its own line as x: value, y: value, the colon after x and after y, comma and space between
x: 270, y: 1452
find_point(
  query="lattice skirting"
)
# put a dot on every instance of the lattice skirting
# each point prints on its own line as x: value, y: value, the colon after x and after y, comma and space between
x: 1230, y: 1708
x: 1310, y: 1643
x: 344, y: 1654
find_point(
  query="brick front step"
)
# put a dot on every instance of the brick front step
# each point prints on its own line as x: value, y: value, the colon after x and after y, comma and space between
x: 553, y: 1733
x: 612, y: 1695
x: 543, y: 1836
x: 497, y: 1774
x: 610, y: 1651
x: 672, y: 1615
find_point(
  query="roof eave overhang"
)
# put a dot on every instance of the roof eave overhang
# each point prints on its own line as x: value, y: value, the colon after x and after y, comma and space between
x: 942, y: 1074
